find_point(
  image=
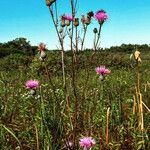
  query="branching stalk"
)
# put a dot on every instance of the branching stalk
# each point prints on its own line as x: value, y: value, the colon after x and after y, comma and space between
x: 62, y: 46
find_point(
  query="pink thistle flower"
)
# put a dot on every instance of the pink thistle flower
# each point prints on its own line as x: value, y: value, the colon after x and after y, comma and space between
x: 101, y: 16
x: 87, y: 142
x: 42, y: 47
x: 102, y: 70
x: 67, y: 17
x: 32, y: 84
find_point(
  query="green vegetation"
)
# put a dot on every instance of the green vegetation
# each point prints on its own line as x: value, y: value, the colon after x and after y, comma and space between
x: 56, y: 114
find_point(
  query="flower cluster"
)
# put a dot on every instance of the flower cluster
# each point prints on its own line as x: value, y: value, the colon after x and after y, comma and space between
x: 101, y: 16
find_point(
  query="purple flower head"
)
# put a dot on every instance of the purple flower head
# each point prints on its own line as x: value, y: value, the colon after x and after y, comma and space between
x: 87, y: 142
x: 101, y: 16
x: 32, y: 84
x: 67, y: 17
x: 102, y: 70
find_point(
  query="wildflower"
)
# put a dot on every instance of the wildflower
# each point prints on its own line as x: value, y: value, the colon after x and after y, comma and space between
x: 87, y: 142
x: 32, y: 85
x: 42, y: 48
x: 101, y: 16
x: 102, y: 71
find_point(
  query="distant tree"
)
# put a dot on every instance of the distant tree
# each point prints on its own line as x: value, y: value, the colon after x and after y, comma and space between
x: 19, y: 45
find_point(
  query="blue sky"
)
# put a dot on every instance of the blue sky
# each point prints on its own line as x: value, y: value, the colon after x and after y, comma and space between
x: 129, y: 21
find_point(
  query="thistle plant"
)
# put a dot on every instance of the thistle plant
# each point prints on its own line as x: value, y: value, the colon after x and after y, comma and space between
x: 101, y: 16
x: 73, y: 22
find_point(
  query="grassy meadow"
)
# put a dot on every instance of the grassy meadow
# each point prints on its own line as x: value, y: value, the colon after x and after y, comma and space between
x: 113, y: 111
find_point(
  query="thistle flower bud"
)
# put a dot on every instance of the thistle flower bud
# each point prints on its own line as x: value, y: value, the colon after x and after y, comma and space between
x: 62, y: 23
x: 101, y: 77
x: 50, y: 2
x: 67, y: 22
x: 88, y: 21
x: 76, y: 22
x: 60, y: 30
x: 33, y: 92
x: 95, y: 30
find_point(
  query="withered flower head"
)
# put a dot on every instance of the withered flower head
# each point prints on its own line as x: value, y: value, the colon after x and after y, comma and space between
x: 76, y: 22
x: 90, y: 14
x: 88, y: 21
x: 50, y: 2
x: 137, y: 55
x: 62, y: 21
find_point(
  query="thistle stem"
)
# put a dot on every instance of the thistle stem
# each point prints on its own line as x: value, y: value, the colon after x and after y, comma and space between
x: 82, y: 44
x: 98, y: 37
x: 76, y: 39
